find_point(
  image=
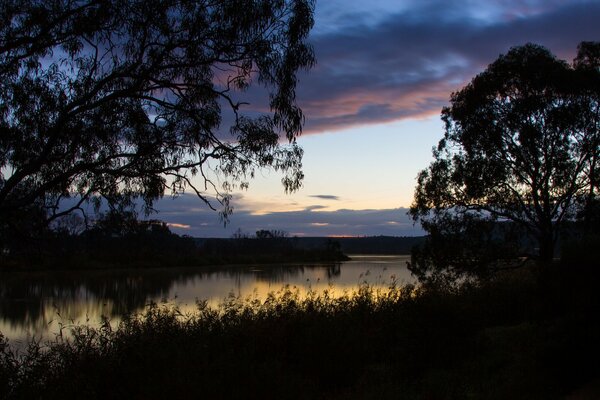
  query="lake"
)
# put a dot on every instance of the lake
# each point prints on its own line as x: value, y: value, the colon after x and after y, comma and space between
x: 37, y: 304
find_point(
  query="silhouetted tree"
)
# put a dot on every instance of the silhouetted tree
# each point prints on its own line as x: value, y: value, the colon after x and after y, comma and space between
x: 271, y: 234
x: 69, y: 225
x: 131, y: 98
x: 21, y: 232
x: 118, y: 237
x: 521, y: 145
x: 117, y: 223
x: 460, y: 244
x: 587, y: 64
x: 239, y: 234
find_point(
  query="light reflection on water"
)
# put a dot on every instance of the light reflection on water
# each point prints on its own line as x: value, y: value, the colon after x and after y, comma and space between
x: 37, y: 304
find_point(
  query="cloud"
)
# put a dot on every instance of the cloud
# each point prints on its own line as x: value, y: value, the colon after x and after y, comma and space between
x: 384, y: 61
x: 179, y: 226
x: 315, y: 207
x: 325, y: 197
x: 406, y: 64
x: 187, y: 215
x: 202, y: 222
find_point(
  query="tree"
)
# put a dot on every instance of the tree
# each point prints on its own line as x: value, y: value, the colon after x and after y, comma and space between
x: 271, y: 234
x: 587, y: 63
x: 521, y: 145
x: 465, y: 245
x: 239, y: 234
x: 125, y: 99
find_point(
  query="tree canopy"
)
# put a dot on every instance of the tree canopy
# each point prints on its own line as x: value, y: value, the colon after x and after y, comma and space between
x: 124, y: 99
x: 521, y: 145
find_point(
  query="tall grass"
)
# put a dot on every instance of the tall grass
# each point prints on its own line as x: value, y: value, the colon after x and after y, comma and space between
x: 503, y: 338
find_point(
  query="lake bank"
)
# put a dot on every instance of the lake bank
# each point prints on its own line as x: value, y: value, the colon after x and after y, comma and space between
x: 519, y: 336
x: 161, y: 249
x: 193, y: 257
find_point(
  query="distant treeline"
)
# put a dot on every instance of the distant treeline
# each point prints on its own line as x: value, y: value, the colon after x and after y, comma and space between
x: 119, y: 239
x: 116, y: 239
x: 270, y: 249
x: 347, y: 245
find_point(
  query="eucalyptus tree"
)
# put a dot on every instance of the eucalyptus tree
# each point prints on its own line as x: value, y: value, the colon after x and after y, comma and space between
x: 125, y: 99
x: 521, y: 144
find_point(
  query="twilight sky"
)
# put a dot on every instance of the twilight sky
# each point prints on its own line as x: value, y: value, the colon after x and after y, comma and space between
x: 372, y: 104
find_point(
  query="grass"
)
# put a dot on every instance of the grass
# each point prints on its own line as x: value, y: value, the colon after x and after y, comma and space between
x: 524, y: 334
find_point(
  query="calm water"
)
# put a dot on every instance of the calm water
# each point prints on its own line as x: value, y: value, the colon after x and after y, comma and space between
x: 37, y: 304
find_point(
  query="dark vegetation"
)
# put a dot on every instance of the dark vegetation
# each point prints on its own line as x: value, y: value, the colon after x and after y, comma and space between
x: 109, y: 101
x: 271, y: 249
x: 119, y: 240
x: 518, y: 164
x: 345, y: 245
x: 523, y: 334
x: 115, y: 239
x: 368, y: 244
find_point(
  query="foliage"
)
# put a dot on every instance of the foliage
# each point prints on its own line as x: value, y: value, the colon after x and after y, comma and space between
x: 271, y: 234
x: 17, y: 231
x: 120, y: 239
x: 115, y: 239
x: 465, y: 245
x: 121, y: 99
x: 521, y: 144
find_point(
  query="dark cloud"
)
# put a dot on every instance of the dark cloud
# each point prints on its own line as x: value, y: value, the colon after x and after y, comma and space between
x: 377, y: 67
x: 315, y: 207
x: 325, y: 196
x: 187, y: 216
x: 408, y: 63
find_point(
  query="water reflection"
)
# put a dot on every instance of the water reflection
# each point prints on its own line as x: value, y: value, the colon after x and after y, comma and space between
x: 36, y: 304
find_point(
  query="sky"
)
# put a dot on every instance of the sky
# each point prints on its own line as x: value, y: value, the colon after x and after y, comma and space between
x: 372, y: 104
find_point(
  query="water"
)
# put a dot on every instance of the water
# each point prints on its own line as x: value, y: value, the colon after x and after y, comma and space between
x: 38, y: 304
